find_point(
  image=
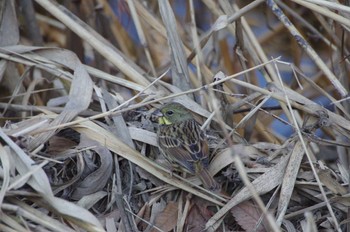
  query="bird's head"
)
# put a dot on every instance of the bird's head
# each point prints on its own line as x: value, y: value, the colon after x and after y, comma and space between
x: 173, y: 113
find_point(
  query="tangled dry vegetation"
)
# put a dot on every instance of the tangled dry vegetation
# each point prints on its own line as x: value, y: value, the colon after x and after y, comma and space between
x: 268, y: 80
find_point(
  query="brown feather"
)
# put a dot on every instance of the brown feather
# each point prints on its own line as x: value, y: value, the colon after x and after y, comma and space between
x: 185, y: 143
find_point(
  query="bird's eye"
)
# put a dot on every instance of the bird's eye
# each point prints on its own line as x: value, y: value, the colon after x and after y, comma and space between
x: 169, y: 112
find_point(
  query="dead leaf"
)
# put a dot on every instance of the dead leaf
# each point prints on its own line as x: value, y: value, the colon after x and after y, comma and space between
x: 289, y: 179
x: 247, y: 216
x: 331, y: 183
x: 9, y: 33
x: 96, y: 180
x: 167, y: 219
x: 197, y: 217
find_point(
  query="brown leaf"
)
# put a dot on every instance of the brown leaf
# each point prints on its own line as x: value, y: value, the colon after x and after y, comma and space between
x: 198, y: 216
x: 247, y: 216
x: 167, y: 219
x: 331, y: 183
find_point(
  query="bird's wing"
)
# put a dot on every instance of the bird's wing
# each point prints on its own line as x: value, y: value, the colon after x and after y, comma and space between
x: 185, y: 144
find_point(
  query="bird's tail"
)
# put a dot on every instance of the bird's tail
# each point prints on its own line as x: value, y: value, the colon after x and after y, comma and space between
x: 208, y: 181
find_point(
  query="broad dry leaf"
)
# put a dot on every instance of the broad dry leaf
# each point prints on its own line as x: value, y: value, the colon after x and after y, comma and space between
x: 9, y: 33
x: 26, y: 127
x: 157, y: 208
x: 198, y: 216
x: 89, y: 200
x: 167, y: 219
x: 119, y: 128
x: 3, y: 65
x: 5, y: 172
x: 142, y: 135
x: 247, y: 215
x: 96, y: 180
x: 179, y: 70
x: 289, y: 179
x: 331, y: 183
x: 225, y: 157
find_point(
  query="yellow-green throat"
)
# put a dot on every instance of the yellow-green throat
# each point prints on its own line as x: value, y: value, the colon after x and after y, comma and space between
x: 164, y: 121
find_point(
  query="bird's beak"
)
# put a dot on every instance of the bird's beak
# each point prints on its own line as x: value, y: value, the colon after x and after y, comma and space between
x: 157, y: 113
x: 160, y: 117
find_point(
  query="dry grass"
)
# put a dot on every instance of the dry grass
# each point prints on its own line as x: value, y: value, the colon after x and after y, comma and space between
x: 78, y: 144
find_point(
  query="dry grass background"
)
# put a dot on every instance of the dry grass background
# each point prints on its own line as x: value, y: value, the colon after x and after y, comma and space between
x: 78, y: 145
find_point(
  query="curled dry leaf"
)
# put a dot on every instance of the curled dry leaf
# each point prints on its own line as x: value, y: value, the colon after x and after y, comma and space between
x: 96, y: 180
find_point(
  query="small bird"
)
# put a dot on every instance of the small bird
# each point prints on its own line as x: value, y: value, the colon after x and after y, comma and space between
x: 183, y: 142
